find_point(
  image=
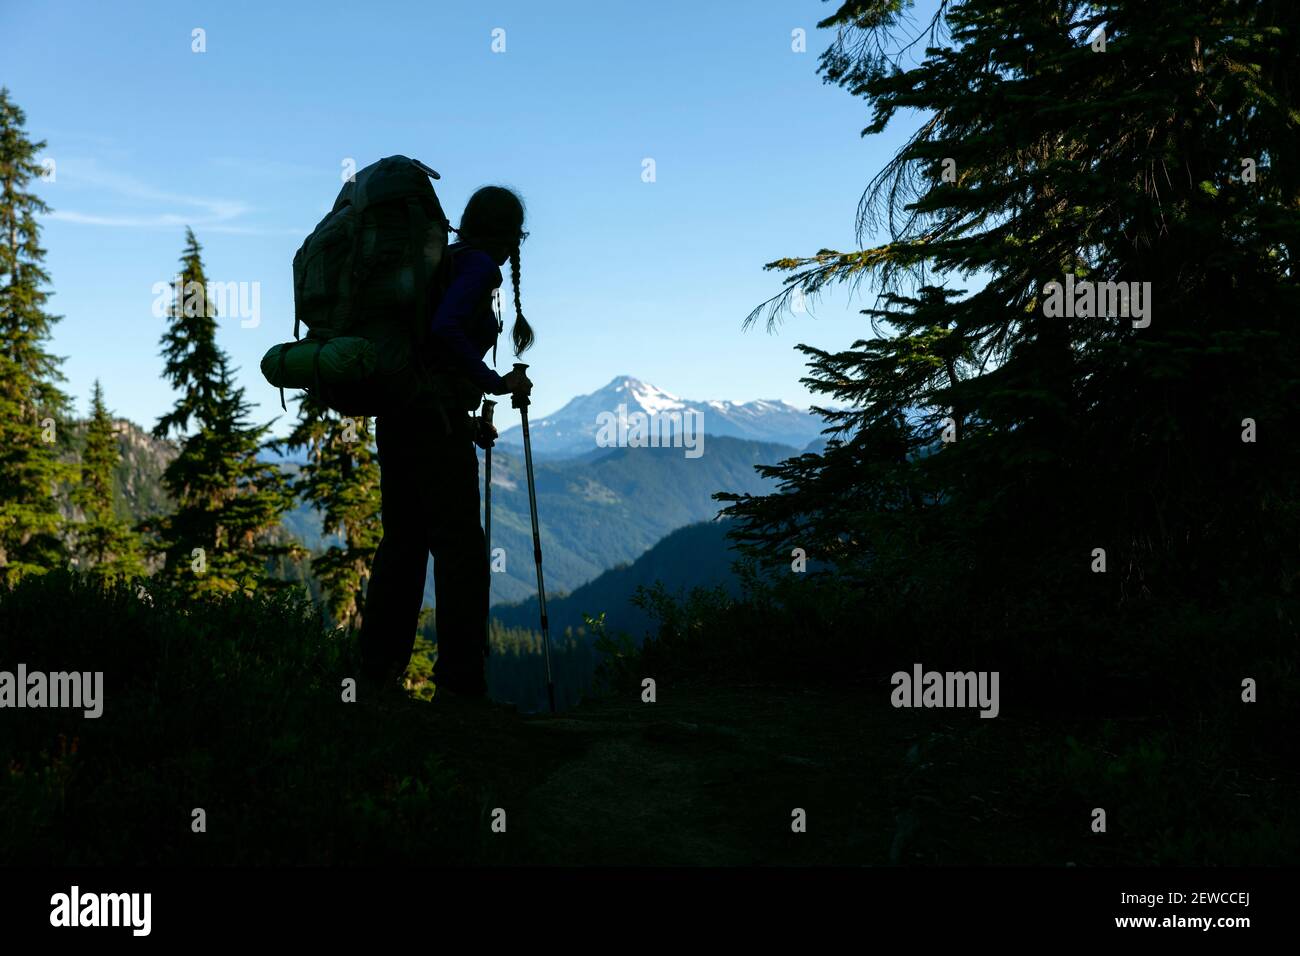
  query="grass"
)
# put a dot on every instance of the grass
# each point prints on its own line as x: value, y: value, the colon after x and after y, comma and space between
x: 235, y: 708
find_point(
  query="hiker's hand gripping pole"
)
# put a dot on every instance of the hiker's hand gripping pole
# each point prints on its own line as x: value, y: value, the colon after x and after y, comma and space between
x: 520, y: 401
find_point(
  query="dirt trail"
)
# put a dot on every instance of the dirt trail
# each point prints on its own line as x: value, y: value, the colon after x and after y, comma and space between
x: 711, y: 775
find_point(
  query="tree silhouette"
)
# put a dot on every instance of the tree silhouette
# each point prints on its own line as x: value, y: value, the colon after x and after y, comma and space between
x: 228, y: 502
x: 985, y: 444
x: 106, y: 545
x: 341, y: 480
x: 32, y: 407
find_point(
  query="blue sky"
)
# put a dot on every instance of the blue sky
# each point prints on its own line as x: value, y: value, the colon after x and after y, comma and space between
x: 755, y: 158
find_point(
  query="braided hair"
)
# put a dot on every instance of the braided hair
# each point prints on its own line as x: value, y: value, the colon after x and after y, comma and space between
x: 494, y: 215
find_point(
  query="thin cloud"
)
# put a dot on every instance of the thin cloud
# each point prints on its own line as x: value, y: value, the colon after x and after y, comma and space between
x: 168, y: 221
x: 214, y: 214
x: 131, y: 222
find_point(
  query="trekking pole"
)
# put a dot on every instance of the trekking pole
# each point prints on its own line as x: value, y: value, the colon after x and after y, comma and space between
x: 521, y: 402
x: 488, y: 406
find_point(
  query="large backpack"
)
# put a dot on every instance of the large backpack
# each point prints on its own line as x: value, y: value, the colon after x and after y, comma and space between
x: 361, y: 285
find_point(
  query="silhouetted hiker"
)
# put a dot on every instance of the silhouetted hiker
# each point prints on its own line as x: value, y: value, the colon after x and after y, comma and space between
x: 429, y: 469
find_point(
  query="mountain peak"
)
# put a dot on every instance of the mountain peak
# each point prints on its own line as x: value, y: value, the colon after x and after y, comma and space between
x: 573, y: 430
x: 649, y: 397
x: 622, y: 383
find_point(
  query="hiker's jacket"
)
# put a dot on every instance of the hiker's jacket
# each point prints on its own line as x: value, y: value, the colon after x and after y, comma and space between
x: 465, y: 325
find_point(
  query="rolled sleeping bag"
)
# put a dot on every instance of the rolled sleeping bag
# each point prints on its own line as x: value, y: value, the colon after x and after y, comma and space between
x: 344, y: 360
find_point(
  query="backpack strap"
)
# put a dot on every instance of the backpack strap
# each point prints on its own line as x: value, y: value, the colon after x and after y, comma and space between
x: 284, y: 353
x: 418, y: 220
x: 357, y: 278
x: 316, y: 366
x: 418, y: 224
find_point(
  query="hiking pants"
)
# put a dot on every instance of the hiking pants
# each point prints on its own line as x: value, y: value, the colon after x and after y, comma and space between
x: 430, y: 505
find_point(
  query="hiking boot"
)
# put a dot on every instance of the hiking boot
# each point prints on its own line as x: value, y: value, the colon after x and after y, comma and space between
x: 373, y: 690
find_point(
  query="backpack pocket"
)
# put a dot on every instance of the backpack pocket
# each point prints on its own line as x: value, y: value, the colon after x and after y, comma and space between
x: 322, y: 273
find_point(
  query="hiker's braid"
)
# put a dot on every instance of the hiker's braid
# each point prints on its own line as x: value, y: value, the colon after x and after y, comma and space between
x: 521, y: 332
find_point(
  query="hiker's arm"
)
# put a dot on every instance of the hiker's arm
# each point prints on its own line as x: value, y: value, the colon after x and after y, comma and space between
x: 477, y: 276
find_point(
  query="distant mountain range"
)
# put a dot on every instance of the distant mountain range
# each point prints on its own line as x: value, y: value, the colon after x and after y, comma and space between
x: 595, y: 512
x: 698, y: 555
x: 599, y: 508
x: 598, y: 512
x: 608, y: 417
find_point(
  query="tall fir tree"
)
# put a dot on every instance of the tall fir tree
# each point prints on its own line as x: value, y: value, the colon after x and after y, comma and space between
x: 226, y: 526
x: 341, y: 480
x: 985, y: 442
x: 106, y: 545
x: 32, y: 407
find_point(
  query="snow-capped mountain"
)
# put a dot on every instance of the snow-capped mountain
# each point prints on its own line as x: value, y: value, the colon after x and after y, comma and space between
x: 629, y: 412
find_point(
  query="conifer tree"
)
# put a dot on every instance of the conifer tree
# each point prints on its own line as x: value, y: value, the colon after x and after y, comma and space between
x: 341, y: 479
x: 229, y: 503
x: 988, y: 438
x: 32, y: 407
x: 107, y: 547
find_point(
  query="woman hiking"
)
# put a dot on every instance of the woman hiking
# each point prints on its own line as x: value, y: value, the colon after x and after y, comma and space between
x: 429, y: 468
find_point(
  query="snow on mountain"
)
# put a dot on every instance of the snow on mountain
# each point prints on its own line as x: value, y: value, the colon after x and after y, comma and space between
x: 628, y: 411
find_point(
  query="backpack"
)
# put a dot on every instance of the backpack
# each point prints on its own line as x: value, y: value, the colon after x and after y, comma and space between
x: 361, y: 285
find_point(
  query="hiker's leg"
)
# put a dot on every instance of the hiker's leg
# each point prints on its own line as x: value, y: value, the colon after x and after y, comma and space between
x: 396, y: 589
x: 460, y: 569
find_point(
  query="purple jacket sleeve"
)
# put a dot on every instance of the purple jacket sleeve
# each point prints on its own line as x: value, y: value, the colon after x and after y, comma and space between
x: 476, y: 275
